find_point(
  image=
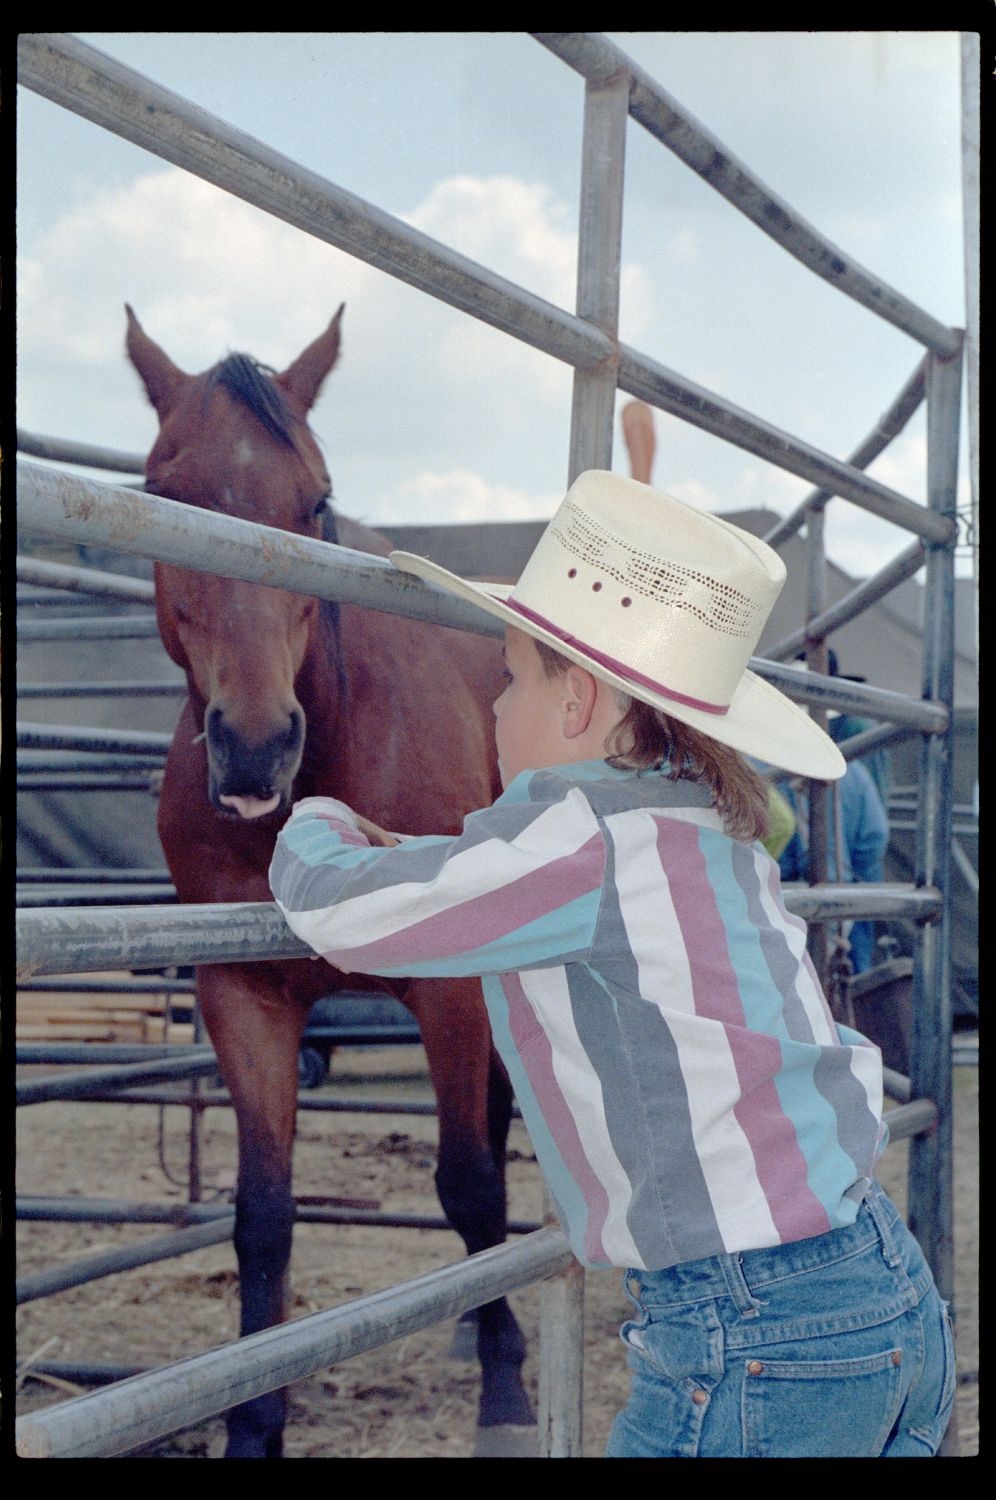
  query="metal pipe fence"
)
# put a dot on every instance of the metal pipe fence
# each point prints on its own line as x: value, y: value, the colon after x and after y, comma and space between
x: 61, y: 507
x: 138, y: 1410
x: 888, y: 427
x: 85, y: 581
x: 117, y: 689
x: 81, y: 78
x: 53, y: 941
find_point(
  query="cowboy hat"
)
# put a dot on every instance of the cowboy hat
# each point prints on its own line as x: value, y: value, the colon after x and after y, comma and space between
x: 665, y: 603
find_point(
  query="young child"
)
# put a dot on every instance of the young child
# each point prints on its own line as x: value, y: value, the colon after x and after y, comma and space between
x: 700, y: 1120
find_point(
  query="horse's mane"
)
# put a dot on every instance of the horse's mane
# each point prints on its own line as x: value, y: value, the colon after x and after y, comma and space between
x: 252, y: 383
x: 328, y: 614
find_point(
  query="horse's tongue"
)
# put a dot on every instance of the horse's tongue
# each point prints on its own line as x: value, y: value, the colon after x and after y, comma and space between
x: 252, y: 807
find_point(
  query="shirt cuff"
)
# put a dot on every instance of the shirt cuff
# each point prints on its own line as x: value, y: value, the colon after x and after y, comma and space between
x: 330, y: 806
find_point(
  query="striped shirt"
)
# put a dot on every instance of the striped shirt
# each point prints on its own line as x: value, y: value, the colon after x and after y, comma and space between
x: 685, y: 1087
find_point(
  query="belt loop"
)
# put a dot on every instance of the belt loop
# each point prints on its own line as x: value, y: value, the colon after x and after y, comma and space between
x: 874, y: 1204
x: 736, y: 1282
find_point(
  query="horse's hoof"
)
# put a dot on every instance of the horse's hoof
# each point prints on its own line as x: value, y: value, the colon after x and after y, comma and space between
x: 506, y: 1441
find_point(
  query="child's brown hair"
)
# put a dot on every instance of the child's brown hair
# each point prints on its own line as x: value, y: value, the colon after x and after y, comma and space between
x: 646, y: 737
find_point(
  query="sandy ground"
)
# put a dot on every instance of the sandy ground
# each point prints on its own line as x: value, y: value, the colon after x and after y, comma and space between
x: 409, y: 1399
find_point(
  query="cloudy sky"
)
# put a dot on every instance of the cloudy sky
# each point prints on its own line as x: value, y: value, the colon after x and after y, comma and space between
x: 474, y: 138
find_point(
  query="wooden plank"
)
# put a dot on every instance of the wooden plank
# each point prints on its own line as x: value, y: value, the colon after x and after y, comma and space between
x: 40, y: 1000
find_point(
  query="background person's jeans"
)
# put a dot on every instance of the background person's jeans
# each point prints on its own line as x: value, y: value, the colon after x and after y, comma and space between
x: 837, y: 1346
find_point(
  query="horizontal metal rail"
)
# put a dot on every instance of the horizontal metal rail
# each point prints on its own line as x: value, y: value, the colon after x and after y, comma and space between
x: 28, y: 897
x: 29, y: 599
x: 597, y: 59
x: 95, y: 875
x: 117, y: 689
x: 652, y: 382
x: 315, y: 1103
x: 888, y: 427
x: 918, y: 1117
x: 92, y: 1054
x: 125, y: 1258
x: 852, y: 697
x: 137, y: 742
x: 870, y: 591
x: 53, y: 940
x: 85, y: 580
x: 869, y: 740
x: 31, y: 762
x: 90, y: 628
x: 78, y: 1371
x: 58, y: 781
x: 34, y: 1054
x: 71, y: 451
x: 199, y: 1064
x: 210, y: 1231
x: 87, y: 81
x: 185, y: 1216
x: 66, y: 507
x: 137, y: 1411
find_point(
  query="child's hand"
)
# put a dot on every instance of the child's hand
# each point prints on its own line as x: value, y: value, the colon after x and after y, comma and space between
x: 375, y: 833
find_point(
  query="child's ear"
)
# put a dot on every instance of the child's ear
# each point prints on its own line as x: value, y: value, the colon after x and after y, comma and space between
x: 578, y: 702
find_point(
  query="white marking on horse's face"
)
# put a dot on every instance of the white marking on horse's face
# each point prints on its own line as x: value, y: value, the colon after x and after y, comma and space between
x: 244, y: 452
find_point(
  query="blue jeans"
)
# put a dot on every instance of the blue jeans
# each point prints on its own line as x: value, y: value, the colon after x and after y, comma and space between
x: 832, y: 1347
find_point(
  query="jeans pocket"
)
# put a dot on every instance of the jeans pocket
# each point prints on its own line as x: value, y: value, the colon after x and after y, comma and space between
x: 829, y: 1408
x: 675, y: 1365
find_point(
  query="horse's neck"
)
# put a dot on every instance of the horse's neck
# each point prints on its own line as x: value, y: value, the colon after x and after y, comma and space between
x: 323, y: 692
x: 337, y: 699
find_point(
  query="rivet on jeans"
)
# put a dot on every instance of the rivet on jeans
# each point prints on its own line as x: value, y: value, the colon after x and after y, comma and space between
x: 755, y: 1367
x: 700, y: 1398
x: 897, y: 1357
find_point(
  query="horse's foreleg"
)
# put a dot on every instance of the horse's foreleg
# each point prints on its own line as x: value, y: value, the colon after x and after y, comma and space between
x: 474, y: 1107
x: 256, y: 1035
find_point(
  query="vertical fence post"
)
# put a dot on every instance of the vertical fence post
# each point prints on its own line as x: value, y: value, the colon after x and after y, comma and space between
x: 603, y: 157
x: 561, y: 1357
x: 816, y: 661
x: 606, y: 111
x: 971, y: 126
x: 931, y: 1195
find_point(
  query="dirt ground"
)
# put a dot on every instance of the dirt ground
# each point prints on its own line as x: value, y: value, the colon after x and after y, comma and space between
x: 409, y: 1399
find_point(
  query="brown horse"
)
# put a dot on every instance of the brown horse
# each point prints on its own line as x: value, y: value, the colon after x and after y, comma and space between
x: 287, y: 698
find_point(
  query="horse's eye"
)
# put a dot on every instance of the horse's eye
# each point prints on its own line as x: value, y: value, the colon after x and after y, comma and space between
x: 323, y: 504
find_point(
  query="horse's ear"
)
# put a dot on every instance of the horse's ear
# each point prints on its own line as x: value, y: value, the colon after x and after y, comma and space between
x: 162, y: 379
x: 303, y: 379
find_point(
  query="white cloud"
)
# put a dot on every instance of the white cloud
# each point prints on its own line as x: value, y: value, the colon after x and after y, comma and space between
x: 461, y: 495
x: 903, y: 466
x: 421, y: 389
x: 684, y: 247
x: 517, y: 229
x: 432, y: 415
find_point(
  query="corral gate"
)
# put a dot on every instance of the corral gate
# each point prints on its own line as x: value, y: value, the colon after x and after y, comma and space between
x: 60, y: 507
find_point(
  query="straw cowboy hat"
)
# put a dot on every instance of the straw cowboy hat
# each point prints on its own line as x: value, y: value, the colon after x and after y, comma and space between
x: 664, y: 602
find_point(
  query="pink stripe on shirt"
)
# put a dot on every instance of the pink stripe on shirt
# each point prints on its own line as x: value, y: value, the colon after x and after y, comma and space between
x: 466, y: 926
x: 536, y: 1055
x: 757, y: 1058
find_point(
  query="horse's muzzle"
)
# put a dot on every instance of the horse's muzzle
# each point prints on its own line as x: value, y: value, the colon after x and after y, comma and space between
x: 251, y: 781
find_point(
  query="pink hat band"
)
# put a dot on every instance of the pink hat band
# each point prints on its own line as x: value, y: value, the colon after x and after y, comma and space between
x: 629, y: 674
